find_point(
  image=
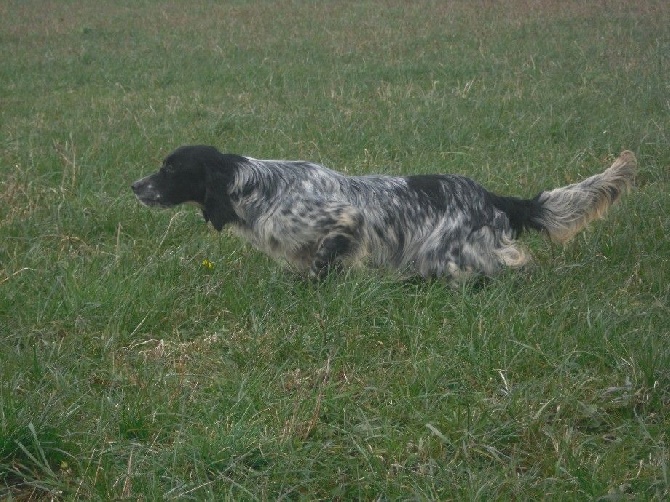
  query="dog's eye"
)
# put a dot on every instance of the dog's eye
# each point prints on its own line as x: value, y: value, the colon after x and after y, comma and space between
x: 168, y: 169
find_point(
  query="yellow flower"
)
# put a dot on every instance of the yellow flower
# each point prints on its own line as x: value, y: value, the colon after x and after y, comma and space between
x: 207, y: 264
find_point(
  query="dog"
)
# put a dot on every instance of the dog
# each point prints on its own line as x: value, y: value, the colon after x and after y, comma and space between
x: 432, y: 226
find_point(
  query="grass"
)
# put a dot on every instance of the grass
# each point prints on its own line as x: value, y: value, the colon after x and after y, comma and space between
x: 130, y: 370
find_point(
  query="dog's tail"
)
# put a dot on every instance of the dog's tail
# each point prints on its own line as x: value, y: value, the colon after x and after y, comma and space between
x: 564, y: 212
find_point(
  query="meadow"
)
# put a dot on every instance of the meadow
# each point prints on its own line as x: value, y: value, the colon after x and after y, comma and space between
x: 145, y: 356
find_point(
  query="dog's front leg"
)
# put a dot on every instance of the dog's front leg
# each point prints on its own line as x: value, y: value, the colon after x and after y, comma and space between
x: 341, y: 242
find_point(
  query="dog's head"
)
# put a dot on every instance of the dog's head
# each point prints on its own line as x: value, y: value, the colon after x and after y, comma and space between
x: 200, y: 175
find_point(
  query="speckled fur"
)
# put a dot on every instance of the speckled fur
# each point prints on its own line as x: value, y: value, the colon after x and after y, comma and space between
x: 315, y: 218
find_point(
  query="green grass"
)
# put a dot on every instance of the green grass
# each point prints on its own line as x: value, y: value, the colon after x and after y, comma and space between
x: 129, y: 370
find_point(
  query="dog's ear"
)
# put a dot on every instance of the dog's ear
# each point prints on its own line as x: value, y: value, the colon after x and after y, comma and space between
x: 218, y: 207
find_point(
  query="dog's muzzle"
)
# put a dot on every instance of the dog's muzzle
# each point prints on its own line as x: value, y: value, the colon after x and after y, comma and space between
x: 147, y: 194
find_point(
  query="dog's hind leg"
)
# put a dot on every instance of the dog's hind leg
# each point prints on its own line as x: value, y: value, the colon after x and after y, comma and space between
x: 487, y: 251
x: 479, y: 253
x: 342, y: 240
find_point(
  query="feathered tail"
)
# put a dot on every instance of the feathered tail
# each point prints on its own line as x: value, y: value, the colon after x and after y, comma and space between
x: 565, y: 211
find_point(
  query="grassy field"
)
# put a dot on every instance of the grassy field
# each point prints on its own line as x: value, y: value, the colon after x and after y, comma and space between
x: 128, y: 370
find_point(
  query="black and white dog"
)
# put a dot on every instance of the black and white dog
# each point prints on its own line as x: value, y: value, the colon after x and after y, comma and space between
x: 315, y: 218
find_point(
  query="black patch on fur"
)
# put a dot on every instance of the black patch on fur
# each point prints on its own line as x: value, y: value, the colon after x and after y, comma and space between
x: 337, y: 245
x: 218, y: 207
x: 332, y: 248
x: 429, y: 185
x: 522, y: 213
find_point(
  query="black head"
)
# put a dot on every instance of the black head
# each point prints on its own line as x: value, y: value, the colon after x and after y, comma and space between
x: 193, y: 174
